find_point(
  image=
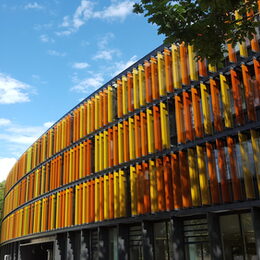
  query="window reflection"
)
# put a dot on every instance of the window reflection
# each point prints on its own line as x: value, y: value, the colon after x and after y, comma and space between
x: 196, y: 239
x: 94, y: 245
x: 136, y: 243
x: 248, y: 236
x: 162, y: 241
x: 113, y: 244
x: 238, y: 237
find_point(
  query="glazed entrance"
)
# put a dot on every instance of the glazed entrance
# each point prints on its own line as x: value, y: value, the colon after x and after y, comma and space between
x: 43, y: 251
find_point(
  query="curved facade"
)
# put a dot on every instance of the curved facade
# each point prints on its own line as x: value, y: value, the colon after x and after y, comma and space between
x: 162, y: 162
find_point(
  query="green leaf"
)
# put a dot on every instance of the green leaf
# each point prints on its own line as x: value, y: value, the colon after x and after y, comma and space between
x: 206, y: 24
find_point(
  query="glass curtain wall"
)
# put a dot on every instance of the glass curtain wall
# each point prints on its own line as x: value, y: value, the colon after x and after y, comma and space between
x: 238, y: 237
x: 163, y: 240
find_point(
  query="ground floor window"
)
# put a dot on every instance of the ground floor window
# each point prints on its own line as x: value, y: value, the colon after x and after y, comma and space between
x: 41, y: 251
x: 196, y: 239
x: 94, y: 240
x: 227, y: 235
x: 113, y: 243
x: 238, y: 237
x: 163, y: 240
x: 136, y: 243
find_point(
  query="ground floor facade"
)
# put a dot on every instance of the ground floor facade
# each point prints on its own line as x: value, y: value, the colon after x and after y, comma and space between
x: 221, y: 232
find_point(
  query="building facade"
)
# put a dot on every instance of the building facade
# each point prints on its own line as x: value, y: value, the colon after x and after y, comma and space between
x: 162, y: 162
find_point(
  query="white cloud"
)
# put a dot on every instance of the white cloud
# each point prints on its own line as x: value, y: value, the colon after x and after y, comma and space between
x: 33, y: 5
x: 18, y: 138
x: 64, y: 33
x: 82, y: 13
x: 85, y: 11
x: 35, y: 76
x: 88, y: 85
x: 14, y: 149
x: 103, y: 42
x: 24, y: 129
x: 48, y: 124
x: 12, y: 90
x: 80, y: 65
x: 37, y: 79
x: 15, y: 138
x: 65, y: 22
x: 56, y: 53
x: 39, y: 27
x: 26, y: 135
x: 46, y: 38
x: 4, y: 122
x: 75, y: 78
x: 84, y: 43
x: 6, y: 165
x: 121, y: 66
x: 106, y: 54
x: 116, y: 10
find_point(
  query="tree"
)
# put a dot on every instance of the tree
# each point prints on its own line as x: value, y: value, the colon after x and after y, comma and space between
x: 2, y: 188
x: 206, y: 24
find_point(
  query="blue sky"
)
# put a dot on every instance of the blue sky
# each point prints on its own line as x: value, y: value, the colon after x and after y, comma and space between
x: 54, y: 53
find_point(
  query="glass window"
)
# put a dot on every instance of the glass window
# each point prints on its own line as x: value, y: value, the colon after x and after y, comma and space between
x: 197, y: 251
x: 94, y: 244
x: 248, y: 236
x: 135, y: 243
x: 113, y: 244
x: 196, y: 239
x: 238, y: 237
x: 162, y: 240
x: 231, y: 237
